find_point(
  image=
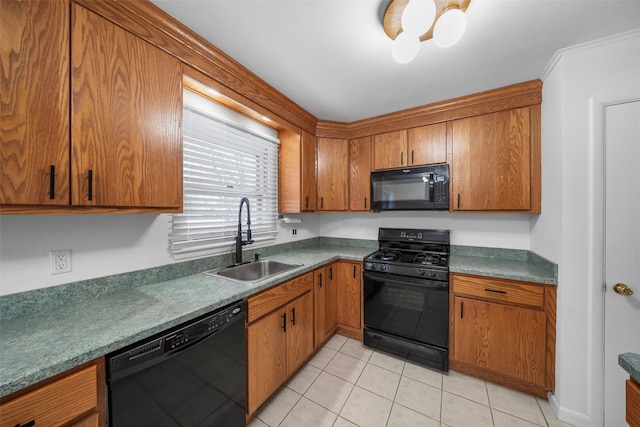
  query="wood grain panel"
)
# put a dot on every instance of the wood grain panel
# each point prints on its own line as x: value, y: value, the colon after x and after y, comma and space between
x: 319, y: 305
x: 331, y: 308
x: 349, y: 293
x: 427, y: 144
x: 309, y: 172
x: 277, y: 296
x: 56, y: 403
x: 499, y: 290
x: 266, y: 358
x: 299, y: 332
x: 360, y: 174
x: 490, y: 164
x: 500, y: 338
x: 333, y: 174
x: 289, y: 172
x: 632, y: 403
x: 550, y: 307
x: 390, y: 150
x: 126, y: 117
x: 34, y: 93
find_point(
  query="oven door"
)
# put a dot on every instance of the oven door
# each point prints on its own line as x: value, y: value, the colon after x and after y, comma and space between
x: 409, y: 308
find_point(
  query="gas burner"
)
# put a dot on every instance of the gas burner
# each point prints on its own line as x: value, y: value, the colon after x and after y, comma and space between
x: 428, y: 259
x: 388, y: 255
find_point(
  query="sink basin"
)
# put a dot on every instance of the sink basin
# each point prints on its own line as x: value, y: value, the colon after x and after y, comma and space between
x: 253, y: 271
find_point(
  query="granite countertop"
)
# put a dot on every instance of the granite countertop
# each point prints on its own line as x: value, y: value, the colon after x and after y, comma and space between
x: 630, y: 362
x: 40, y: 341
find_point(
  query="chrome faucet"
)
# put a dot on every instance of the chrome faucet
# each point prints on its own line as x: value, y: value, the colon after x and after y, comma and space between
x: 239, y: 242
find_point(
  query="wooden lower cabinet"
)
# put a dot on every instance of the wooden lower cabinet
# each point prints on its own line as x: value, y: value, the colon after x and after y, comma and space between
x: 504, y: 331
x: 75, y: 399
x: 279, y: 337
x: 633, y: 403
x: 349, y: 303
x: 321, y: 304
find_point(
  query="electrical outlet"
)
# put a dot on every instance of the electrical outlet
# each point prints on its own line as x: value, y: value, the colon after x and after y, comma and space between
x: 294, y: 232
x: 60, y: 261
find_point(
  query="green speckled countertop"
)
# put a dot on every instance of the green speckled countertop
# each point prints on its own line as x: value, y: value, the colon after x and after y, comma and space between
x: 503, y: 263
x: 51, y: 330
x: 630, y: 362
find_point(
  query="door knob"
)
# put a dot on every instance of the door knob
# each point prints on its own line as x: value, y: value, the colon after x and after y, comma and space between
x: 622, y: 289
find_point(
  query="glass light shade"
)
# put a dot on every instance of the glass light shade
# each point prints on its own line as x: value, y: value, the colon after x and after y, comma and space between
x: 449, y: 28
x: 405, y: 47
x: 418, y: 16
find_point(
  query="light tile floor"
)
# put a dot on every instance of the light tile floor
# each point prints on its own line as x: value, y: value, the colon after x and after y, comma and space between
x: 347, y: 385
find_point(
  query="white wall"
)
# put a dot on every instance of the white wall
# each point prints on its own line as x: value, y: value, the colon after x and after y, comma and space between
x: 577, y: 84
x: 102, y: 245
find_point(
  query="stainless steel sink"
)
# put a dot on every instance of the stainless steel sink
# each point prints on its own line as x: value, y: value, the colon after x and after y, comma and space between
x: 252, y: 272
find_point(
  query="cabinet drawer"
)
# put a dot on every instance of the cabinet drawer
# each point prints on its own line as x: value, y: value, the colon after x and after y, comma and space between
x: 55, y: 403
x: 499, y: 290
x: 269, y: 300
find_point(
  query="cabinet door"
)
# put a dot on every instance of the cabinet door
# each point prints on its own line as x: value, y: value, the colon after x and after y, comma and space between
x: 266, y: 357
x: 349, y: 291
x: 126, y: 118
x: 360, y: 174
x: 331, y: 307
x: 390, y: 150
x: 333, y: 174
x: 309, y: 192
x: 34, y: 92
x: 504, y: 339
x: 427, y: 144
x: 319, y: 305
x: 491, y: 161
x: 299, y: 332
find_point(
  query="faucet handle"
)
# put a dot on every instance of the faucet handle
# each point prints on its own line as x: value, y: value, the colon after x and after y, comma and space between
x: 256, y: 257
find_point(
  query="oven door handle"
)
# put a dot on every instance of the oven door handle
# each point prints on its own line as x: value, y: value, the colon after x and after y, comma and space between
x: 402, y: 280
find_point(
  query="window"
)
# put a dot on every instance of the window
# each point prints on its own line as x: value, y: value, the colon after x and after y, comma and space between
x: 225, y: 157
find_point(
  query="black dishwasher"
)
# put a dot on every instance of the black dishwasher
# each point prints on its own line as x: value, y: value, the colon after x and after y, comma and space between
x: 191, y: 375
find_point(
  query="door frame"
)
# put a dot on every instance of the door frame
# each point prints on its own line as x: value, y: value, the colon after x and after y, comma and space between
x: 596, y: 218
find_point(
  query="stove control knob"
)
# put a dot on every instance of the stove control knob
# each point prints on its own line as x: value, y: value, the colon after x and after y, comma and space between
x: 433, y: 274
x: 421, y: 273
x: 383, y: 267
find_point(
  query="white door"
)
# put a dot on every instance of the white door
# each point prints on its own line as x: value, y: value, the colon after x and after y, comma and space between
x: 622, y: 250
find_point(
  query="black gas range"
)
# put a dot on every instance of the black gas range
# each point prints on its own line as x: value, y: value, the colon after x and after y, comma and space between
x: 406, y: 291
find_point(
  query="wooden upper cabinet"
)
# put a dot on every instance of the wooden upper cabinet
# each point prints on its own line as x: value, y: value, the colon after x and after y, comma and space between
x: 297, y: 172
x: 309, y: 190
x: 390, y: 150
x: 333, y: 174
x: 34, y: 92
x: 126, y: 118
x: 427, y: 144
x: 360, y: 174
x: 495, y: 161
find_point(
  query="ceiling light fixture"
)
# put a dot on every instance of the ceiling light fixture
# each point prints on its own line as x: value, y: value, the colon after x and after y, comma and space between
x: 409, y: 22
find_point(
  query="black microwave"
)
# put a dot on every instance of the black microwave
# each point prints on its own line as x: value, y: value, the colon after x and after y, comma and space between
x: 419, y: 188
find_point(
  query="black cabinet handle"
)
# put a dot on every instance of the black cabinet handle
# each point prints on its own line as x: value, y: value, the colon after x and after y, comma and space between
x: 322, y: 202
x: 365, y: 203
x: 330, y: 273
x: 90, y: 184
x: 29, y: 424
x: 284, y: 321
x: 495, y: 291
x: 320, y: 280
x: 306, y: 202
x: 293, y: 316
x: 354, y: 271
x: 52, y: 182
x: 458, y: 200
x: 461, y: 309
x: 412, y: 161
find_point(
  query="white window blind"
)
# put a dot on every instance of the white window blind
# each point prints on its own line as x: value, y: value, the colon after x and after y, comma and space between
x: 222, y: 163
